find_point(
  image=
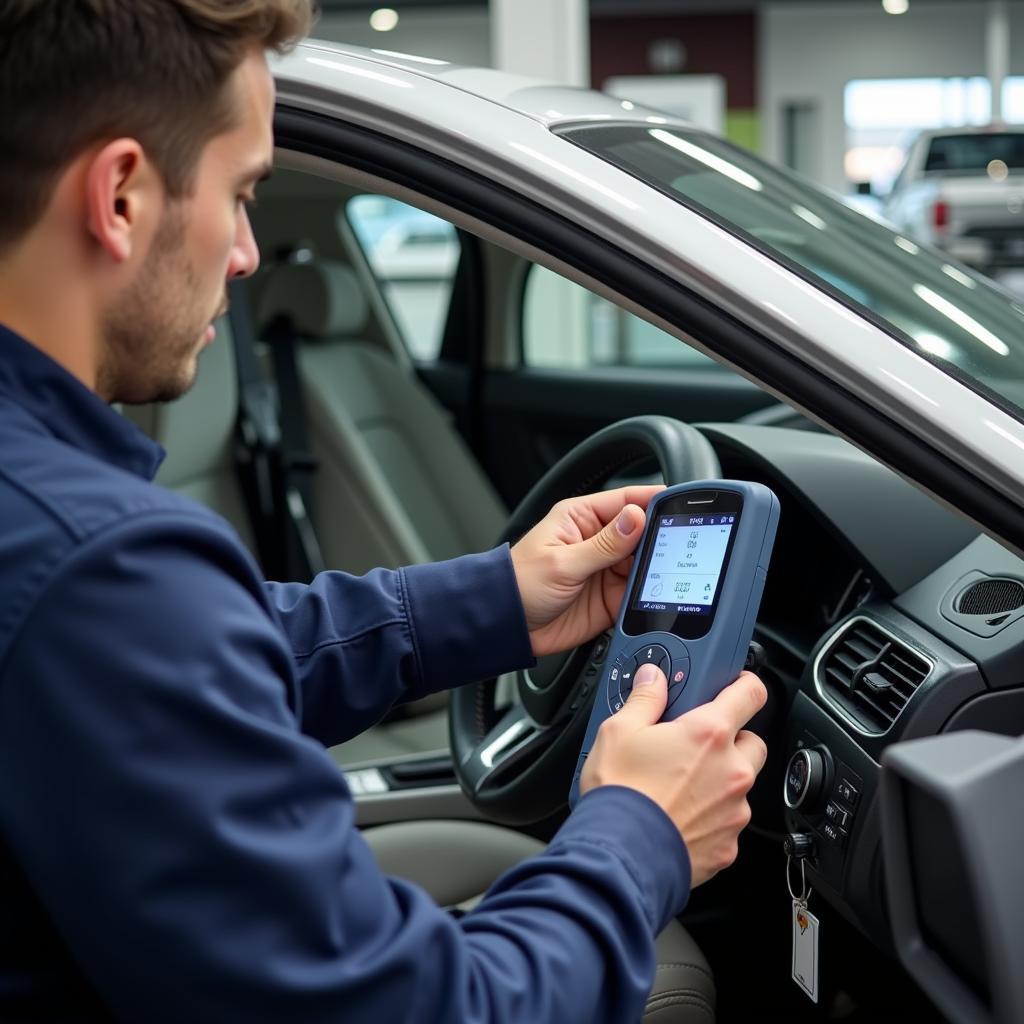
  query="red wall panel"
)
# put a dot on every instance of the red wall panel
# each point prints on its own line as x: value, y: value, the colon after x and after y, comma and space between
x: 724, y: 44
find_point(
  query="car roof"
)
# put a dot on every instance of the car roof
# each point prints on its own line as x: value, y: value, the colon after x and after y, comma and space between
x: 547, y: 102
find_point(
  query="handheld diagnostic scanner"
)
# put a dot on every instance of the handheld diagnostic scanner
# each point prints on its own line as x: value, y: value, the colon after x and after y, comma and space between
x: 692, y: 597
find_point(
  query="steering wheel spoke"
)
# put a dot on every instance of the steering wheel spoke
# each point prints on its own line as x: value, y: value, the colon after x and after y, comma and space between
x: 513, y: 738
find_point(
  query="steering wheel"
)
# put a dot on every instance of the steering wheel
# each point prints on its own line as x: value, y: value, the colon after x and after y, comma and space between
x: 515, y: 765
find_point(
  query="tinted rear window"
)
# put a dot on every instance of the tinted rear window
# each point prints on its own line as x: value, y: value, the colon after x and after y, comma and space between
x: 975, y: 152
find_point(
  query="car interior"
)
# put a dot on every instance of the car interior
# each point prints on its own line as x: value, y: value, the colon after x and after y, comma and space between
x: 436, y: 393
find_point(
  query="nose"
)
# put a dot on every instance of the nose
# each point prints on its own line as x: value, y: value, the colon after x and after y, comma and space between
x: 245, y: 254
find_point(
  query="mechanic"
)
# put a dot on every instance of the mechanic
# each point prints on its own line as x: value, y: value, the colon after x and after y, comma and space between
x: 176, y: 844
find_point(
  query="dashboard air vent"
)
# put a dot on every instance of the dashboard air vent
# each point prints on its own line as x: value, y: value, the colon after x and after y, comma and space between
x: 870, y: 674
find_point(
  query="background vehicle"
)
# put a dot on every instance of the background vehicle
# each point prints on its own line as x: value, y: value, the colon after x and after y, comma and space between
x: 963, y: 191
x: 749, y: 286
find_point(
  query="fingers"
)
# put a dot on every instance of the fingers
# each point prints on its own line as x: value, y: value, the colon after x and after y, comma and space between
x: 741, y: 700
x: 606, y: 505
x: 646, y: 704
x: 753, y: 748
x: 609, y: 546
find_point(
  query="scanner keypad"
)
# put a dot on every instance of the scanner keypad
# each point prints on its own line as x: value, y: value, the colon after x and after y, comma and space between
x: 625, y: 667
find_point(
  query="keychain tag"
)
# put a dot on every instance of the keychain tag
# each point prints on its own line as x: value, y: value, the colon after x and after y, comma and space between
x: 805, y: 935
x: 805, y: 949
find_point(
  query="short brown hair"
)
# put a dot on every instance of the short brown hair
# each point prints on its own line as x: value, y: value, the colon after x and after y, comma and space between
x: 76, y: 72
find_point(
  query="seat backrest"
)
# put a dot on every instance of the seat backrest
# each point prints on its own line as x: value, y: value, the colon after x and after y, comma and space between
x: 396, y: 483
x: 198, y: 431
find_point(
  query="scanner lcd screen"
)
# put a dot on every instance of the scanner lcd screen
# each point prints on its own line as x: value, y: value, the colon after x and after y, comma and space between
x: 685, y: 566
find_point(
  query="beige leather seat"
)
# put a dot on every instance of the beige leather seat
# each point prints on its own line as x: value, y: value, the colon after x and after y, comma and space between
x: 389, y: 455
x: 395, y: 484
x: 456, y: 861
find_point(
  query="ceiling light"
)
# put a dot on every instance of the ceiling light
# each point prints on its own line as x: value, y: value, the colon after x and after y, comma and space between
x: 998, y: 170
x: 896, y: 6
x: 384, y: 19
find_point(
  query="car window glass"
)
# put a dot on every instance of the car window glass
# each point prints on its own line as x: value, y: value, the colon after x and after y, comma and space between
x: 567, y: 327
x: 414, y: 255
x: 952, y: 316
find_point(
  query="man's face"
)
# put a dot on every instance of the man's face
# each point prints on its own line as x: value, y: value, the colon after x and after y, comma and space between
x: 156, y: 327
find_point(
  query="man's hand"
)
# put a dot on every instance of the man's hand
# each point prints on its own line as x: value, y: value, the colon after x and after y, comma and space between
x: 572, y: 566
x: 697, y: 768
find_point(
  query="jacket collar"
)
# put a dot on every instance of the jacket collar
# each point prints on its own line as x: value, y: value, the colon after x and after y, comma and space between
x: 70, y: 411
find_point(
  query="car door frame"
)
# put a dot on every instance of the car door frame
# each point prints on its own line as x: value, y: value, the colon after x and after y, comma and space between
x: 780, y: 351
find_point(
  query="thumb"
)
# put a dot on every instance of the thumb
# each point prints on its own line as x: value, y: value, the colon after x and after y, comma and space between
x: 646, y: 704
x: 610, y: 545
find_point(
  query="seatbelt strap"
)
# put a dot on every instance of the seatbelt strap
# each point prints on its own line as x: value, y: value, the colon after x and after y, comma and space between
x: 298, y: 464
x: 275, y: 470
x: 257, y: 437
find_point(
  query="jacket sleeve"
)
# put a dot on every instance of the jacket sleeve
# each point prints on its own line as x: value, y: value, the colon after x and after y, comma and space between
x: 197, y: 853
x: 363, y: 644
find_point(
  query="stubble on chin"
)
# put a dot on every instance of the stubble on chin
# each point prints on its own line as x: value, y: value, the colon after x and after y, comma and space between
x: 152, y: 334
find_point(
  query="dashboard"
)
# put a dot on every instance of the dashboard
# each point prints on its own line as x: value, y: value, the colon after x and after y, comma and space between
x: 885, y: 618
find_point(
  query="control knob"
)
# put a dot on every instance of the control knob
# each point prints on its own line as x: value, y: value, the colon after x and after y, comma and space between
x: 805, y: 780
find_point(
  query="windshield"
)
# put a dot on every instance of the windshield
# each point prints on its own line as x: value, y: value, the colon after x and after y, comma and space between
x: 951, y: 315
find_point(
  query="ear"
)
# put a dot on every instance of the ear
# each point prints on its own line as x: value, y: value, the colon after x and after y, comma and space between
x: 123, y: 193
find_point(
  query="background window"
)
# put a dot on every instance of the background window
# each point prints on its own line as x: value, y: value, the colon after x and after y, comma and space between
x: 567, y: 327
x: 413, y: 255
x: 883, y: 115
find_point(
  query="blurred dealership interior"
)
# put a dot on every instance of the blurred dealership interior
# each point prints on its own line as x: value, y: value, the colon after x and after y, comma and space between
x: 838, y: 90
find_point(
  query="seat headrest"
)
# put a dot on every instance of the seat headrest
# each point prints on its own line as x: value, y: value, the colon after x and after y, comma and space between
x: 323, y: 299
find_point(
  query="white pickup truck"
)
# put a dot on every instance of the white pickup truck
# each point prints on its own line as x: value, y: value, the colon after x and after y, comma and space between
x: 962, y: 190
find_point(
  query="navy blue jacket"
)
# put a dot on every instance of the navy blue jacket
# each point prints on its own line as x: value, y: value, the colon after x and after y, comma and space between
x: 176, y: 844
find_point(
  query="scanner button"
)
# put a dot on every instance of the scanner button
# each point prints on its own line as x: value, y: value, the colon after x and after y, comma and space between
x: 653, y: 654
x: 629, y: 667
x: 620, y: 683
x: 677, y: 679
x: 614, y: 673
x: 626, y: 681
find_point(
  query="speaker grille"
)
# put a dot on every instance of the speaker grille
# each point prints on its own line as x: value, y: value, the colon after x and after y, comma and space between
x: 991, y: 597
